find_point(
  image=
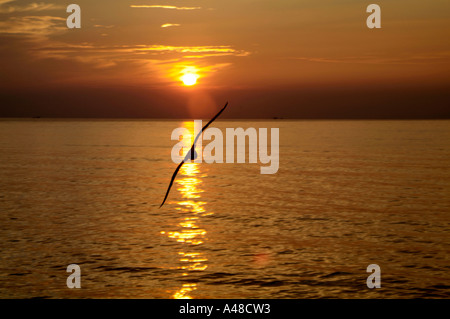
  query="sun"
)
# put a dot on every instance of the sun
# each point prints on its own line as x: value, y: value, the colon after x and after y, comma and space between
x: 189, y: 79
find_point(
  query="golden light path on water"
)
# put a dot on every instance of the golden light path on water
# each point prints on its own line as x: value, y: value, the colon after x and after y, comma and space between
x: 190, y: 233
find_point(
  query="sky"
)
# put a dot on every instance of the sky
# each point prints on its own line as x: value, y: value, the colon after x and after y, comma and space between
x: 268, y: 58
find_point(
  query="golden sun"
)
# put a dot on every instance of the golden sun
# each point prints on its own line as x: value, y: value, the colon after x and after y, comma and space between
x: 189, y: 79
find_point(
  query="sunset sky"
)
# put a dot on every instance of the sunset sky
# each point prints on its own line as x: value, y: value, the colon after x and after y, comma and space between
x: 268, y: 58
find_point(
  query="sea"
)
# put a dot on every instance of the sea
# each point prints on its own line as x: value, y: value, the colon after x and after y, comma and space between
x: 348, y: 194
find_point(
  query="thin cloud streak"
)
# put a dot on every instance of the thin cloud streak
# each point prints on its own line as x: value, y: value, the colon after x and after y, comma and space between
x: 103, y: 26
x: 140, y: 59
x: 35, y: 7
x: 141, y: 49
x: 167, y: 25
x: 35, y: 26
x: 164, y: 7
x: 442, y: 57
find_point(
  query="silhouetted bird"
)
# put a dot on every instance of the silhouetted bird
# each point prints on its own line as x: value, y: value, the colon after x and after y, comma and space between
x: 192, y: 154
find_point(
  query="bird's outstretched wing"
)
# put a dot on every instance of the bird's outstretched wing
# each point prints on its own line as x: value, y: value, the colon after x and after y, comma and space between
x: 190, y: 153
x: 171, y: 182
x: 207, y: 124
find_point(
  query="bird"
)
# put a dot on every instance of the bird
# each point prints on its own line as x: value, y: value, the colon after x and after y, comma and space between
x: 192, y: 154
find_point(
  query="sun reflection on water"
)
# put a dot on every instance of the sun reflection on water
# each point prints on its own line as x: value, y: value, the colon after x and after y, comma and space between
x: 190, y: 234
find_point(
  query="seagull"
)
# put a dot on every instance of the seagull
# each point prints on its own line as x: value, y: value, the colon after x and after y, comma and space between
x: 192, y: 154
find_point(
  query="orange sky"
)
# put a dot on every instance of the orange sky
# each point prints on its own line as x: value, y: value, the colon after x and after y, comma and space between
x: 314, y: 54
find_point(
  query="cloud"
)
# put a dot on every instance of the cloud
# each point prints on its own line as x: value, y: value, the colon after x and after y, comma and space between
x: 36, y: 7
x: 163, y: 7
x: 135, y: 52
x: 436, y: 57
x: 103, y: 26
x: 209, y: 55
x: 35, y: 37
x: 167, y: 25
x: 138, y: 61
x: 35, y: 26
x: 187, y: 49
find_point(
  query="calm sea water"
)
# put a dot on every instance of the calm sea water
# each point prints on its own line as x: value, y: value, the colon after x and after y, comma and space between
x: 347, y: 194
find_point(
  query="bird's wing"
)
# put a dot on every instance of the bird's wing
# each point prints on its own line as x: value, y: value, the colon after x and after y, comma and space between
x: 171, y: 182
x: 207, y: 124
